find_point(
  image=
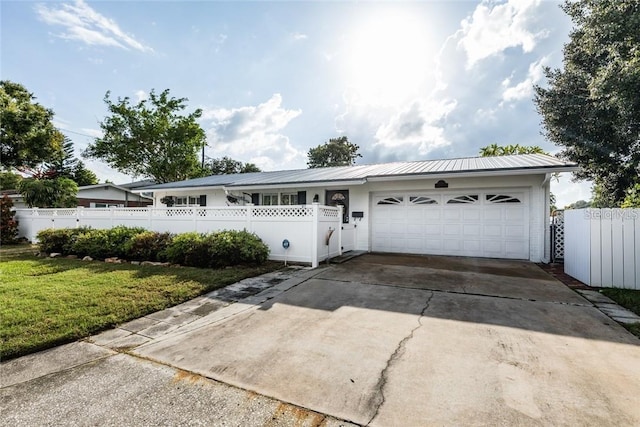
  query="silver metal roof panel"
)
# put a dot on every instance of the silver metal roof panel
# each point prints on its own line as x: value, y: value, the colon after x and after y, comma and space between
x: 471, y: 165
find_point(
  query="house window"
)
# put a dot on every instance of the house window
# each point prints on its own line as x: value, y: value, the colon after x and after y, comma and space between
x: 187, y: 201
x: 289, y: 199
x: 269, y: 199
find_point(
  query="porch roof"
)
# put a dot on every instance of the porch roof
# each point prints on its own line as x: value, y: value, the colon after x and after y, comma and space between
x: 476, y: 166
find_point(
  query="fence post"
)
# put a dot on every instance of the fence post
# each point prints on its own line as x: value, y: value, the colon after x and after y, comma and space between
x: 314, y: 235
x: 339, y: 228
x: 249, y: 209
x: 150, y: 219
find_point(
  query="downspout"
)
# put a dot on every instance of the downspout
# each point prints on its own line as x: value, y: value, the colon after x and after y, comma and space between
x: 546, y: 250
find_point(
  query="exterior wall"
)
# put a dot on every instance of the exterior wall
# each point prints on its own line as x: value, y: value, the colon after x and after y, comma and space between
x: 360, y: 199
x: 110, y: 196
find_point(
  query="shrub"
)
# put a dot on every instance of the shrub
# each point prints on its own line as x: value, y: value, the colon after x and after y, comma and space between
x: 148, y: 246
x: 8, y: 225
x: 60, y: 240
x: 188, y: 249
x: 236, y: 247
x: 105, y: 243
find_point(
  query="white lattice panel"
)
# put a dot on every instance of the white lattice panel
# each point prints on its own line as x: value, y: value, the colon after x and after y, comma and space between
x: 557, y: 244
x: 283, y: 212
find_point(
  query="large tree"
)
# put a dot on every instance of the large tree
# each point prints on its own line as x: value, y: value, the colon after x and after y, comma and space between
x: 227, y: 165
x: 504, y: 150
x: 150, y: 139
x: 591, y: 107
x: 336, y: 152
x: 67, y: 165
x: 49, y: 193
x: 27, y: 134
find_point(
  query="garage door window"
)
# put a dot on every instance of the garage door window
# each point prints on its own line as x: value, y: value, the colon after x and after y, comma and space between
x: 422, y: 200
x: 502, y: 198
x: 393, y: 200
x: 466, y: 199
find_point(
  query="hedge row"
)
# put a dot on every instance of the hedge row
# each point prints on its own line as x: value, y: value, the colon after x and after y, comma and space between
x: 216, y: 250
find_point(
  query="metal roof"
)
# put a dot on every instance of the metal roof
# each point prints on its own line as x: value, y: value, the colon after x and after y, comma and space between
x: 503, y: 165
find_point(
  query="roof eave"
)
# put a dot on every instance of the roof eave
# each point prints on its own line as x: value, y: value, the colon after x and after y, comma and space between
x: 474, y: 174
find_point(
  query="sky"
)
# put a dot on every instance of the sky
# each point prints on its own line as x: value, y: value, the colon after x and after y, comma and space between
x: 404, y: 81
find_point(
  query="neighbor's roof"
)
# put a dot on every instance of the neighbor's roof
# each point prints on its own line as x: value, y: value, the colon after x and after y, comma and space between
x: 499, y: 165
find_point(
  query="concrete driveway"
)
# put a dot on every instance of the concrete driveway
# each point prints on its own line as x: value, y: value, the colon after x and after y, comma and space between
x: 400, y: 340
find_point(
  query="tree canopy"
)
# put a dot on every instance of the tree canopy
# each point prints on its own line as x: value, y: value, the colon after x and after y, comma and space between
x: 69, y: 166
x: 49, y: 193
x: 505, y: 150
x: 591, y: 106
x: 27, y: 134
x: 335, y: 152
x: 150, y: 139
x: 227, y: 165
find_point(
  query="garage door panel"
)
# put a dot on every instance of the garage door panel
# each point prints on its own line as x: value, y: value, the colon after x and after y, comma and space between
x: 493, y: 225
x: 471, y: 214
x: 515, y: 214
x: 514, y: 231
x: 492, y: 214
x: 451, y: 229
x: 432, y: 230
x: 471, y: 230
x: 493, y: 231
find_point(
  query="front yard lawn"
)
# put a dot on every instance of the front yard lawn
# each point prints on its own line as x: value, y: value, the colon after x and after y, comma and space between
x: 46, y: 302
x: 629, y: 299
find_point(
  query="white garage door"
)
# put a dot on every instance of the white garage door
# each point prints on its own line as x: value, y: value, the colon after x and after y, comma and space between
x: 492, y: 224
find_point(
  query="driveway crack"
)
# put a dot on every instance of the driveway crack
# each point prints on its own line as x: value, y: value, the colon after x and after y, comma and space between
x: 379, y: 398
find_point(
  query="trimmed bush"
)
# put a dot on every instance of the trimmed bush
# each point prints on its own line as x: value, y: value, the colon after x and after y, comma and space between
x: 60, y: 240
x: 236, y: 247
x: 221, y: 249
x: 103, y: 244
x: 148, y: 246
x: 188, y: 249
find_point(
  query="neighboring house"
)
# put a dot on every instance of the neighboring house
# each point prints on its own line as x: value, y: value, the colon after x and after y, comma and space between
x: 108, y: 195
x: 495, y: 207
x: 98, y: 196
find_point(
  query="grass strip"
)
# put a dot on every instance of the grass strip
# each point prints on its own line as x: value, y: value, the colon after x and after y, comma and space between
x: 47, y: 302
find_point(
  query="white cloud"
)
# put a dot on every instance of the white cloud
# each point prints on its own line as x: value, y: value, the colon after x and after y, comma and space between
x: 141, y: 95
x: 524, y: 89
x: 84, y: 24
x: 299, y: 36
x: 254, y: 134
x: 416, y: 128
x: 494, y: 28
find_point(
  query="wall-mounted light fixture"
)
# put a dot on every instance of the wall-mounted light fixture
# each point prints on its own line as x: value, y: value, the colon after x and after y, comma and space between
x: 441, y: 184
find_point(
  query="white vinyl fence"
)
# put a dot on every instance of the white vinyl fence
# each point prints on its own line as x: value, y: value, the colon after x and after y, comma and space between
x: 314, y: 232
x: 602, y: 247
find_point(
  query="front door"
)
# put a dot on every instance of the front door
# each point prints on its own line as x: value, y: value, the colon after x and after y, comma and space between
x: 339, y: 198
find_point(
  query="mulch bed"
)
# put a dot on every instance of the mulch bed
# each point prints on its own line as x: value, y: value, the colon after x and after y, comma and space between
x: 557, y: 271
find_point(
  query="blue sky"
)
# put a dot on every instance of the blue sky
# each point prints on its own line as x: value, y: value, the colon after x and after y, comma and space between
x: 404, y: 81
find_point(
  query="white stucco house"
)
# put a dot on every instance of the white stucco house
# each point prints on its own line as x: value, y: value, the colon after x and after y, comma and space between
x: 495, y: 207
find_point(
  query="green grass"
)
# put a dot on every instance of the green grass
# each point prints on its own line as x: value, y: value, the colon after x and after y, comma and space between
x: 629, y: 299
x: 46, y: 302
